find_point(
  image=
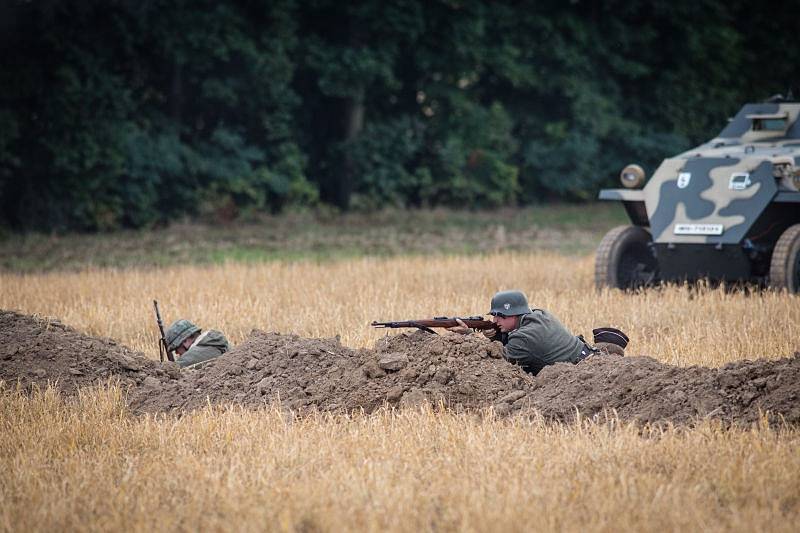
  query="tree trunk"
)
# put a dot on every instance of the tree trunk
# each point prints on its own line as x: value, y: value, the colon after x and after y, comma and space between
x: 353, y: 123
x: 176, y: 94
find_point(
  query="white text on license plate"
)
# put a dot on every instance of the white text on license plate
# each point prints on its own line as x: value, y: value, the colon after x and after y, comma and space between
x: 697, y: 229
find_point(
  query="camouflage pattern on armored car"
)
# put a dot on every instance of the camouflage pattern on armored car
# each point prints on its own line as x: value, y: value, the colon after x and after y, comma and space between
x: 727, y: 210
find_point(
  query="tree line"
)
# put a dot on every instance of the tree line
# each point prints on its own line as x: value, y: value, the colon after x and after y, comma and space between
x: 118, y: 113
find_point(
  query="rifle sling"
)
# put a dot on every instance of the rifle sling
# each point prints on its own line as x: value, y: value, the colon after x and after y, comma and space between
x: 424, y: 328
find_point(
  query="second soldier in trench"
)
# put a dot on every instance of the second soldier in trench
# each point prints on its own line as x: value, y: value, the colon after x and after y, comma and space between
x: 192, y: 345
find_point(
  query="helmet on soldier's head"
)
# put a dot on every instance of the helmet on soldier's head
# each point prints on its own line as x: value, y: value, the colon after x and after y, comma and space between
x: 509, y: 303
x: 179, y: 331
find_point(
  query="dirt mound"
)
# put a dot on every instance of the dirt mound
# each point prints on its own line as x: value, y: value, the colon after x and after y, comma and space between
x: 466, y: 373
x: 461, y: 373
x: 37, y: 351
x: 642, y: 389
x: 458, y: 373
x: 298, y: 371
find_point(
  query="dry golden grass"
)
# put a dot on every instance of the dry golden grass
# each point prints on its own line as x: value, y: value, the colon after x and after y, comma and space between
x: 90, y: 465
x: 677, y: 325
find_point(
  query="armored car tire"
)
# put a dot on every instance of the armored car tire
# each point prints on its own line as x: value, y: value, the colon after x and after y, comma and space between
x: 784, y: 271
x: 624, y: 259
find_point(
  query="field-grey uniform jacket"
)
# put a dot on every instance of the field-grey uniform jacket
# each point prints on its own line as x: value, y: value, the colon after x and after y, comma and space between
x: 541, y: 340
x: 208, y: 345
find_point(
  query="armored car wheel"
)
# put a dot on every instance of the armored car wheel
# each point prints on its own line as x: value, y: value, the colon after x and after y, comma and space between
x: 624, y: 259
x: 784, y: 271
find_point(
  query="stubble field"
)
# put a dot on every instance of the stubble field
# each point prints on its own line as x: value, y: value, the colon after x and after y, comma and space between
x: 89, y: 464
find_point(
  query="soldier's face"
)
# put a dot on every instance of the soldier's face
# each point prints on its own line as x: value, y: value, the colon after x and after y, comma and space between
x: 185, y: 345
x: 506, y: 323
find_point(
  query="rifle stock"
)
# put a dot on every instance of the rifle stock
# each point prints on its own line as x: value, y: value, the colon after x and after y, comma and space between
x: 476, y: 322
x: 162, y: 342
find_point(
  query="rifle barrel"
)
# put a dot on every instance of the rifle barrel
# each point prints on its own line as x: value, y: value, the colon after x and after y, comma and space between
x: 438, y: 322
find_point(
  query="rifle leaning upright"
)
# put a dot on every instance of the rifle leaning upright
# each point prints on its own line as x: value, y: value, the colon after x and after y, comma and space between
x: 162, y: 343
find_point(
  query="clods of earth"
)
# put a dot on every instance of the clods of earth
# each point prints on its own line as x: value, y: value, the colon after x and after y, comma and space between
x: 460, y: 373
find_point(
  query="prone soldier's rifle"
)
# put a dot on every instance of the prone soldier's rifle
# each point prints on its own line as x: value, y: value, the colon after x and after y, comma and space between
x: 162, y: 343
x: 425, y: 324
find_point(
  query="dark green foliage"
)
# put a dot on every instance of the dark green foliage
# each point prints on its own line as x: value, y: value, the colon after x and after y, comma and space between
x: 126, y: 114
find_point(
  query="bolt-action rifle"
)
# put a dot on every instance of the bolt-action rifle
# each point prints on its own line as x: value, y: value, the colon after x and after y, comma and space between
x: 425, y: 324
x: 162, y: 343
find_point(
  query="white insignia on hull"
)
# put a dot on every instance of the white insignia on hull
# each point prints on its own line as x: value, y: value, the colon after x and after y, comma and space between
x: 739, y: 181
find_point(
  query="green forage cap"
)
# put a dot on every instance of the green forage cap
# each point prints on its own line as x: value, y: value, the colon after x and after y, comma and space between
x: 179, y: 331
x: 509, y: 303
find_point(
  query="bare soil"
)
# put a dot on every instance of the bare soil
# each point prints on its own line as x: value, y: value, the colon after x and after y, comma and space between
x: 409, y: 369
x: 36, y: 351
x: 456, y: 372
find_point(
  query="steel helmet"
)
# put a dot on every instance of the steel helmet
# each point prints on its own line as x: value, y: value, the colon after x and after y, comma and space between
x: 509, y: 303
x: 179, y: 331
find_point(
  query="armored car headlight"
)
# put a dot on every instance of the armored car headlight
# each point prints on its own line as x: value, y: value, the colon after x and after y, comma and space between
x: 632, y: 176
x: 787, y: 174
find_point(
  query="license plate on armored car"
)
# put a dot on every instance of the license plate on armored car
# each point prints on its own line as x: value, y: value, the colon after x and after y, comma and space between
x: 697, y: 229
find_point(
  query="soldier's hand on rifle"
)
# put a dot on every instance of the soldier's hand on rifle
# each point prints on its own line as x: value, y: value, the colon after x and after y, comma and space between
x: 489, y: 333
x: 461, y: 328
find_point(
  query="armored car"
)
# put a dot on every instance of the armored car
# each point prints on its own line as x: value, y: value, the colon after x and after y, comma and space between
x: 727, y: 210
